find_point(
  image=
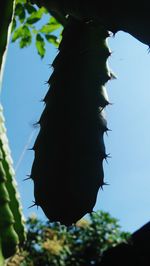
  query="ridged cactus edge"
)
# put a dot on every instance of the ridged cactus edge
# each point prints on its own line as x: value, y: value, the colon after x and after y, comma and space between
x: 9, y: 238
x: 12, y: 225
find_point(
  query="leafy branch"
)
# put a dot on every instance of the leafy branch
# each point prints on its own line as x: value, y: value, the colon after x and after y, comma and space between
x: 27, y: 25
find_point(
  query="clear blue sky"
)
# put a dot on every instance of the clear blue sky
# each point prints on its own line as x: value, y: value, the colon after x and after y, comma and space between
x: 128, y: 171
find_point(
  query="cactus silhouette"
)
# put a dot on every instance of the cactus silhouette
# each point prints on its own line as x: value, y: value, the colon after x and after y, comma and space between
x: 67, y: 170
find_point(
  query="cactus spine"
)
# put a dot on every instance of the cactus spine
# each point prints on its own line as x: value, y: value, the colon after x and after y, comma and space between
x: 67, y: 170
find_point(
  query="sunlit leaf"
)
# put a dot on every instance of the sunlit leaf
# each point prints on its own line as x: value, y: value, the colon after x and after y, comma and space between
x: 52, y: 39
x: 23, y: 32
x: 53, y: 21
x: 36, y: 16
x: 40, y: 45
x: 17, y: 34
x: 48, y: 28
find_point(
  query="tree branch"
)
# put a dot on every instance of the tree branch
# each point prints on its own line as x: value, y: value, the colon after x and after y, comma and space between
x: 129, y: 16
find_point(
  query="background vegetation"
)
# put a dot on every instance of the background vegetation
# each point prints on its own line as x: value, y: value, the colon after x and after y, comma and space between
x: 82, y: 244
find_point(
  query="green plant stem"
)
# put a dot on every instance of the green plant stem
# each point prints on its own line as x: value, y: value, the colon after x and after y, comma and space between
x: 6, y: 15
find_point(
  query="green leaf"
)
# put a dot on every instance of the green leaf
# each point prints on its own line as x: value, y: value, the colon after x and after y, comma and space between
x: 40, y: 45
x: 26, y: 37
x: 22, y: 32
x: 48, y: 28
x: 17, y: 34
x: 25, y: 41
x: 36, y: 16
x: 20, y: 12
x: 30, y: 8
x: 25, y: 31
x: 52, y: 39
x: 53, y: 21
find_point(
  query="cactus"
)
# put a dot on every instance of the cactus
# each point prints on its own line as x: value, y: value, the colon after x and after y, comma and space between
x: 12, y: 229
x: 10, y: 182
x: 9, y: 238
x: 67, y: 170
